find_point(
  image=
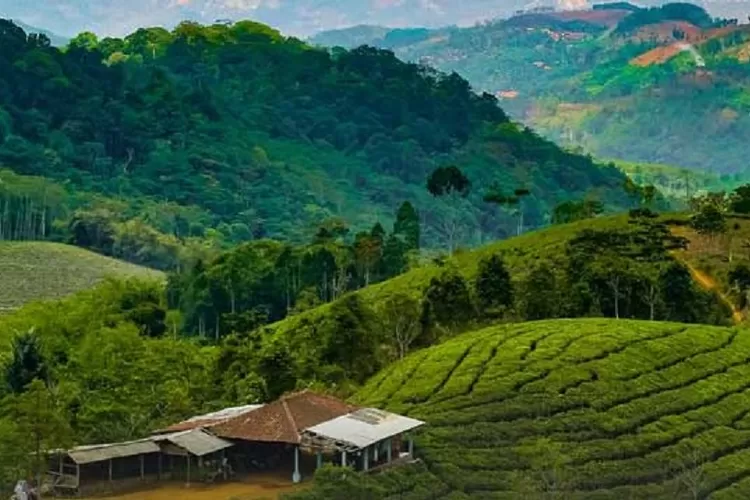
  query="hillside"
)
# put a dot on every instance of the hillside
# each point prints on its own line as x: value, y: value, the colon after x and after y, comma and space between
x: 563, y: 271
x: 659, y: 85
x: 36, y: 271
x: 578, y: 409
x: 233, y: 133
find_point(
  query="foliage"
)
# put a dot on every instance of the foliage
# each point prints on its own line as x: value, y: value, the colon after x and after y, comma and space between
x: 27, y: 363
x: 582, y: 84
x: 686, y: 12
x: 493, y: 284
x: 622, y: 408
x: 709, y: 220
x: 231, y: 133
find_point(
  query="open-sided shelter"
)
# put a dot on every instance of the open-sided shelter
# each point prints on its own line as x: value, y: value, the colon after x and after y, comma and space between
x: 371, y: 435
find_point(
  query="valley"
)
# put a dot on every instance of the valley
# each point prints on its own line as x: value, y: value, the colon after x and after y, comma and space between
x: 660, y: 85
x: 507, y: 260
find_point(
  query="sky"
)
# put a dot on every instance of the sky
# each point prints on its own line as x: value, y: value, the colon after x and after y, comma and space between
x: 300, y: 18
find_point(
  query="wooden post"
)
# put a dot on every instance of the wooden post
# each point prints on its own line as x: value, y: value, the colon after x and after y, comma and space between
x: 110, y: 470
x: 343, y: 458
x: 158, y: 474
x: 377, y: 449
x: 78, y: 476
x: 411, y: 447
x: 367, y: 458
x: 188, y: 469
x: 320, y: 460
x: 223, y: 467
x: 61, y: 465
x: 389, y: 450
x: 143, y: 468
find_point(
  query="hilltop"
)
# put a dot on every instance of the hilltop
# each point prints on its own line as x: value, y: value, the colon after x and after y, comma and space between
x: 661, y: 85
x: 563, y: 271
x: 588, y: 408
x: 232, y: 133
x: 38, y: 271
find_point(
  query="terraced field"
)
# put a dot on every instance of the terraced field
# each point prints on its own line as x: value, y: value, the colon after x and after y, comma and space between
x: 589, y: 408
x: 31, y: 271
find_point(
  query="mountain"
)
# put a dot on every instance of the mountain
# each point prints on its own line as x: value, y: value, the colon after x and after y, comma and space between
x: 293, y: 17
x: 572, y: 408
x: 57, y: 40
x: 661, y: 85
x: 167, y: 138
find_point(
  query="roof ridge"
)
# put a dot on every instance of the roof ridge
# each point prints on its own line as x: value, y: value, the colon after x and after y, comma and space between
x: 290, y: 417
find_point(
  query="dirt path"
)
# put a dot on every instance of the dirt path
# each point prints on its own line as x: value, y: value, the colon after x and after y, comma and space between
x: 710, y: 284
x: 257, y: 490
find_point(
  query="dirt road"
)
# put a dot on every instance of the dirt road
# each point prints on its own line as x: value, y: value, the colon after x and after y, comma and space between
x: 709, y: 283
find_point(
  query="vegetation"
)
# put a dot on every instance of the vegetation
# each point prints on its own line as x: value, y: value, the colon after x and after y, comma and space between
x: 611, y: 81
x: 34, y: 271
x: 148, y: 146
x: 589, y: 408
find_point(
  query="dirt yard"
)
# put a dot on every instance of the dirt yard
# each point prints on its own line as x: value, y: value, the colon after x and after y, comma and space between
x: 256, y: 488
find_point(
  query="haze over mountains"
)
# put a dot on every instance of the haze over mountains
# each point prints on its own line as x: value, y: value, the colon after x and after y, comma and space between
x: 292, y: 17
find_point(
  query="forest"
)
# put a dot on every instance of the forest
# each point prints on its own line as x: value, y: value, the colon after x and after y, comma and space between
x: 139, y: 147
x: 576, y: 80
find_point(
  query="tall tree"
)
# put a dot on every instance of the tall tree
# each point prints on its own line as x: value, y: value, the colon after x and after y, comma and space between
x: 399, y: 315
x: 407, y: 226
x: 493, y: 285
x: 451, y: 184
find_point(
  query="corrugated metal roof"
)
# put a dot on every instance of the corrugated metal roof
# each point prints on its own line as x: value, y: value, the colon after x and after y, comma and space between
x: 100, y: 452
x: 197, y: 441
x: 210, y: 418
x: 364, y: 427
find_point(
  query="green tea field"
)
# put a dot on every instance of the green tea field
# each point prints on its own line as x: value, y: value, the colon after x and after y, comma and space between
x: 31, y: 271
x: 590, y: 408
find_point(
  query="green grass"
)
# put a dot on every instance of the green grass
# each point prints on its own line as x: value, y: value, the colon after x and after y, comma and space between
x: 634, y: 409
x: 32, y: 271
x: 520, y: 255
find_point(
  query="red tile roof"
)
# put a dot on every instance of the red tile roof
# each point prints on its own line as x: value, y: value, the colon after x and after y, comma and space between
x: 283, y: 420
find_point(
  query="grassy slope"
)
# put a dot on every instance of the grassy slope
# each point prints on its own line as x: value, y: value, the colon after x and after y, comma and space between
x: 519, y: 253
x: 33, y: 271
x: 628, y: 404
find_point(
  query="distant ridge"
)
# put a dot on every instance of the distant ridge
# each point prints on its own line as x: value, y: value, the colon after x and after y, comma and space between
x: 57, y: 40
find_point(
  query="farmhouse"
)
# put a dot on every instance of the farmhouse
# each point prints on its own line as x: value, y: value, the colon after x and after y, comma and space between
x: 296, y: 433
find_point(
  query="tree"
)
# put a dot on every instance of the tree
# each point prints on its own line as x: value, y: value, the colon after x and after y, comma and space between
x: 368, y: 251
x: 572, y: 211
x: 27, y: 362
x: 407, y: 226
x: 495, y: 195
x: 448, y: 300
x: 709, y: 220
x: 739, y: 278
x: 399, y: 316
x: 39, y: 416
x: 493, y: 285
x: 739, y: 201
x: 448, y: 180
x: 539, y: 295
x: 449, y: 183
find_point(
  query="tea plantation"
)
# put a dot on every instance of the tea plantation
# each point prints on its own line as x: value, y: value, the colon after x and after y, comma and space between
x: 32, y: 271
x: 590, y: 408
